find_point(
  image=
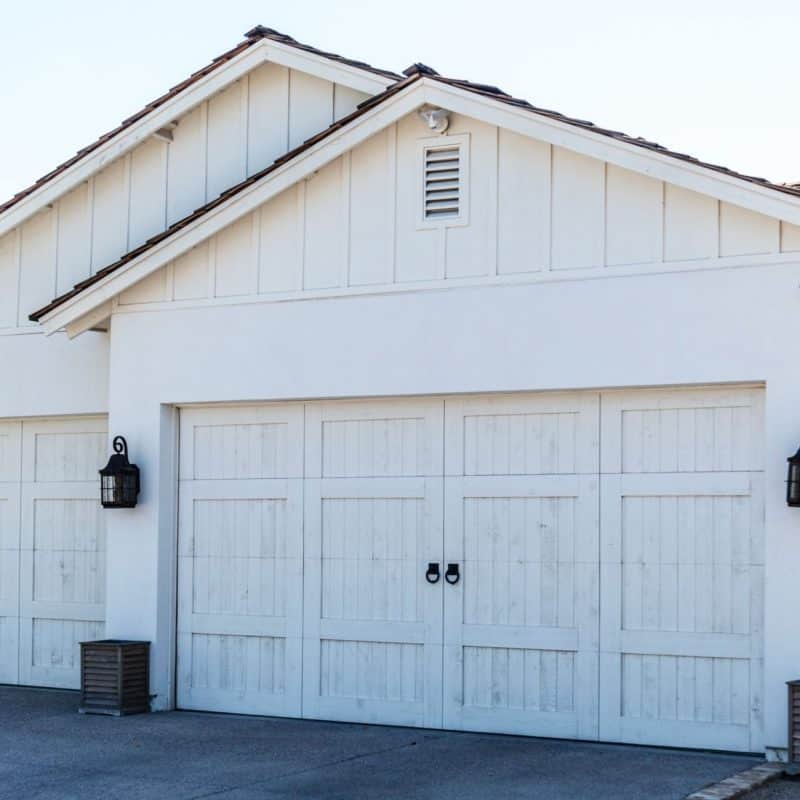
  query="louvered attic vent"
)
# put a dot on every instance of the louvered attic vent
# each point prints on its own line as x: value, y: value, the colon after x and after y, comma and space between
x: 442, y: 182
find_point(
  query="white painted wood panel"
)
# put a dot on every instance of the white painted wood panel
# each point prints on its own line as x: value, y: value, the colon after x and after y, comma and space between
x: 790, y: 238
x: 148, y: 213
x: 345, y: 100
x: 371, y: 199
x: 110, y: 213
x: 578, y: 208
x: 227, y: 139
x: 9, y: 279
x: 281, y: 242
x: 373, y: 522
x: 186, y: 181
x: 471, y: 250
x: 190, y: 274
x: 521, y: 625
x: 37, y: 270
x: 682, y: 568
x: 634, y: 217
x: 240, y: 549
x: 745, y: 232
x: 523, y: 217
x: 310, y: 106
x: 691, y: 224
x: 268, y: 118
x: 236, y: 259
x: 61, y: 547
x: 326, y: 226
x: 73, y: 238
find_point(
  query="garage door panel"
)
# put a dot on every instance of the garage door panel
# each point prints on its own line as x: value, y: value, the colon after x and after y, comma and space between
x: 521, y: 623
x: 9, y: 575
x: 703, y: 430
x: 372, y: 649
x: 240, y: 566
x: 682, y: 551
x: 242, y: 443
x: 62, y: 564
x: 521, y: 435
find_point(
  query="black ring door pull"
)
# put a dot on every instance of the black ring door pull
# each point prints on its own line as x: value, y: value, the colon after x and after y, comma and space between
x: 452, y: 575
x: 432, y: 575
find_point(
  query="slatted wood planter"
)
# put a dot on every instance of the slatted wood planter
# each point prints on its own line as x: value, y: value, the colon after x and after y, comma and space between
x: 794, y: 721
x: 115, y: 677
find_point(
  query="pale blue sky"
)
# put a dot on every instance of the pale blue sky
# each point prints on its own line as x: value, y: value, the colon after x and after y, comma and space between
x: 715, y: 78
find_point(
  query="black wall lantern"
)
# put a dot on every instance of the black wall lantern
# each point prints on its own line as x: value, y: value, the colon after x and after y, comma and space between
x: 793, y: 480
x: 119, y: 479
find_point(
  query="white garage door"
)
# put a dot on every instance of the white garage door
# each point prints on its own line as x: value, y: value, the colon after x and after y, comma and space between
x: 583, y: 591
x: 52, y: 548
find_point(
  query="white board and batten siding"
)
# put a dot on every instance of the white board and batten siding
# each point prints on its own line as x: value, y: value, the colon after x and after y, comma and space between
x: 235, y: 133
x: 52, y: 548
x: 534, y: 209
x: 610, y: 549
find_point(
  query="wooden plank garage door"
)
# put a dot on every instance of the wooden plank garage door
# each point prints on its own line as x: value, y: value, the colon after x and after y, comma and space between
x: 240, y: 566
x: 682, y: 568
x: 52, y: 548
x: 521, y: 520
x: 608, y: 545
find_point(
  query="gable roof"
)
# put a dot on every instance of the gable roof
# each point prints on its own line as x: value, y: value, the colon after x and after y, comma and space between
x: 257, y: 34
x: 484, y: 94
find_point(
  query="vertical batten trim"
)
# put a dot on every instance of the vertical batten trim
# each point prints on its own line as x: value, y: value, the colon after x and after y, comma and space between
x: 204, y: 159
x: 301, y: 231
x: 169, y: 281
x: 255, y: 231
x: 259, y: 213
x: 212, y: 268
x: 551, y: 184
x: 288, y: 109
x: 494, y: 204
x: 56, y: 236
x: 244, y: 116
x: 663, y: 249
x: 718, y: 237
x: 90, y: 208
x: 127, y: 183
x: 166, y: 185
x: 441, y: 246
x: 346, y: 189
x: 18, y: 234
x: 391, y: 246
x: 604, y: 262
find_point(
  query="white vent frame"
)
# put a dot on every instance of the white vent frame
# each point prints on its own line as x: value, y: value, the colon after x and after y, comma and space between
x: 462, y: 142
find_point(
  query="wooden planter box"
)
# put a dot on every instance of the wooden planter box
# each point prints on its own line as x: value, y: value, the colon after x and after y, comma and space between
x: 794, y: 721
x: 115, y: 677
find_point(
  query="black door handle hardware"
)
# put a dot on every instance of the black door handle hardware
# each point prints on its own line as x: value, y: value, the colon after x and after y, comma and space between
x: 432, y: 575
x: 452, y: 575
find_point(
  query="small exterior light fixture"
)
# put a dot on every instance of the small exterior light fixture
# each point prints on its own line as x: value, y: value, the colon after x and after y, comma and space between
x: 793, y: 480
x: 119, y: 479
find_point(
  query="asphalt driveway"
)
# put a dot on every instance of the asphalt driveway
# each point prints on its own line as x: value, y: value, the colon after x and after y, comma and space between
x: 47, y: 750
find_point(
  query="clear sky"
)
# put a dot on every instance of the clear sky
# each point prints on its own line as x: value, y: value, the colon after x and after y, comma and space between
x: 714, y: 78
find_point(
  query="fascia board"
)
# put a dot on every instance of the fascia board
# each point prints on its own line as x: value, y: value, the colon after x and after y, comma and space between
x: 700, y: 179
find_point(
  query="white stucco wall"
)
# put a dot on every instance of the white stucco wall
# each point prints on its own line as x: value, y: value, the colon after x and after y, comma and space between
x: 53, y: 376
x: 715, y: 326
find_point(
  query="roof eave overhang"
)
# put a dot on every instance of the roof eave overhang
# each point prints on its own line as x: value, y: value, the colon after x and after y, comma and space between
x: 215, y: 81
x: 76, y: 312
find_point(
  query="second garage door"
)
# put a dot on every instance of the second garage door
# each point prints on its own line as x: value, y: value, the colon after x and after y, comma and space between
x: 479, y: 563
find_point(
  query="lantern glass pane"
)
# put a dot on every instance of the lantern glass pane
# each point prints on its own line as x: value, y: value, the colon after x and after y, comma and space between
x: 793, y: 485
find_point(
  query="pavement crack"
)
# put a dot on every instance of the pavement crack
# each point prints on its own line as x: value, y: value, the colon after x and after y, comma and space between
x: 293, y: 773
